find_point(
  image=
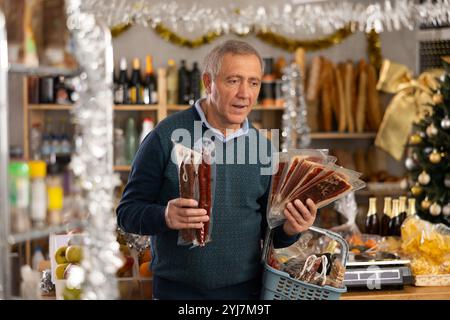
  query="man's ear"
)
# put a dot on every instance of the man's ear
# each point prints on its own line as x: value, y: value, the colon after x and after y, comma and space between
x: 207, y: 81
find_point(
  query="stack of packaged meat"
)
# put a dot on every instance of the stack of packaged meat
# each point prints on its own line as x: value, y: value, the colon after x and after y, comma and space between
x: 308, y: 174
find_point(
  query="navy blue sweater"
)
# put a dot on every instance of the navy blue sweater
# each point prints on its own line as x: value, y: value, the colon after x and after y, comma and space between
x: 238, y: 213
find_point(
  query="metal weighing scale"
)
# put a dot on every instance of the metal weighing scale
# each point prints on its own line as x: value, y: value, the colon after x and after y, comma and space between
x: 376, y: 271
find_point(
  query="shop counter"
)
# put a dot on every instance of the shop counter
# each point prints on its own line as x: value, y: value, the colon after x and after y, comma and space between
x: 407, y: 293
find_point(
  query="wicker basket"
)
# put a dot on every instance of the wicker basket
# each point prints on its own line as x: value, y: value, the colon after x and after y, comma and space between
x: 279, y: 285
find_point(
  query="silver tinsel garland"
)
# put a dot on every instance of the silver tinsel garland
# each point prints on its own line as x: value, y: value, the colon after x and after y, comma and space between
x: 295, y: 130
x: 92, y: 162
x: 291, y: 17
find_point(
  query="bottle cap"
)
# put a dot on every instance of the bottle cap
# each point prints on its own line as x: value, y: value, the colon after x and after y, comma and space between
x: 136, y: 63
x: 19, y: 169
x: 123, y: 63
x: 38, y: 169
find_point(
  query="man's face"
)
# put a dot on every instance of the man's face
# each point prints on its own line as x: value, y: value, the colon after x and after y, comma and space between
x: 235, y: 89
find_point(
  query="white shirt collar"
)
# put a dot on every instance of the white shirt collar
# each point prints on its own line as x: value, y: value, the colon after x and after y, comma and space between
x: 242, y: 130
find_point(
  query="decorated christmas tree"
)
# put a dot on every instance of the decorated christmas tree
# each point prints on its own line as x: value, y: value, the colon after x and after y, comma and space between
x: 428, y: 156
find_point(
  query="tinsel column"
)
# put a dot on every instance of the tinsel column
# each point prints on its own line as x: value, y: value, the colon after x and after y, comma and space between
x: 295, y: 130
x: 93, y: 159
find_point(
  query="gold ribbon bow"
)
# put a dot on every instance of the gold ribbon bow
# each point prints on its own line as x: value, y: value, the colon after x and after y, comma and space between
x: 411, y: 103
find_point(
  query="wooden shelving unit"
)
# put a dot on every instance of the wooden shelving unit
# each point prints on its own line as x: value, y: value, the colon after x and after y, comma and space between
x: 50, y: 107
x: 178, y: 107
x: 342, y: 135
x: 122, y: 168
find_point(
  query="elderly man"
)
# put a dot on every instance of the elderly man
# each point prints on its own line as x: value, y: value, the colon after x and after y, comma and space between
x: 229, y: 266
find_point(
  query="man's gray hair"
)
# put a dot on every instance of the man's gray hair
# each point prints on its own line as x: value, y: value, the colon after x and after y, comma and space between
x: 213, y: 59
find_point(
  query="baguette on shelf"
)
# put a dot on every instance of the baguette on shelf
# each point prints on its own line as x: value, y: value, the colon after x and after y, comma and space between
x: 342, y: 97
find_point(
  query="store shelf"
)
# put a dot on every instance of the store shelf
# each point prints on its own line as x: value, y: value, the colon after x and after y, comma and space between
x: 177, y: 107
x: 48, y: 107
x: 342, y: 135
x: 153, y: 107
x: 41, y: 233
x: 180, y: 107
x: 267, y: 108
x: 41, y: 70
x: 122, y: 168
x: 381, y: 193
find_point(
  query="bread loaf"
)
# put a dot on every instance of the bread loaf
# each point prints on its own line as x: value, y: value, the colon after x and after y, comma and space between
x: 361, y: 97
x: 349, y: 83
x: 342, y: 119
x: 327, y: 112
x: 374, y: 110
x: 312, y: 93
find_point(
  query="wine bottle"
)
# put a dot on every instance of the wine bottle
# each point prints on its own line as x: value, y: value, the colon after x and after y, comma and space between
x: 131, y: 141
x: 147, y: 127
x: 195, y: 84
x: 268, y: 84
x: 150, y: 91
x: 384, y: 231
x: 402, y: 209
x: 411, y: 207
x: 394, y: 223
x: 121, y: 93
x: 183, y: 84
x: 172, y: 82
x: 135, y: 83
x: 372, y: 223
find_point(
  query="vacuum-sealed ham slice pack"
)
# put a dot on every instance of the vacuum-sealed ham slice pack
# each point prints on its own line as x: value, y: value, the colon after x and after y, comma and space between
x: 308, y: 174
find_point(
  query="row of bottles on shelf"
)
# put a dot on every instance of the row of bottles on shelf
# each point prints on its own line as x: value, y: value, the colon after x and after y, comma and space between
x: 394, y: 214
x: 126, y: 142
x: 52, y: 143
x: 183, y: 85
x: 36, y: 194
x: 135, y: 90
x: 51, y: 90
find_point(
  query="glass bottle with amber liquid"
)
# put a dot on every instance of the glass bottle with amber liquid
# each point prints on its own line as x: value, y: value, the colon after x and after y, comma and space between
x: 384, y: 229
x: 149, y: 92
x: 395, y: 223
x: 172, y: 82
x: 372, y: 224
x: 135, y: 89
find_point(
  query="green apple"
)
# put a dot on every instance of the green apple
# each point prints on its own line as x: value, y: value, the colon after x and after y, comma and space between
x: 74, y: 254
x: 60, y: 255
x: 60, y: 270
x: 72, y: 293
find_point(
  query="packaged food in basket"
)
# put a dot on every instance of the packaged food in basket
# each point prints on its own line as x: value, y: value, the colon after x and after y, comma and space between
x: 312, y: 174
x: 313, y: 260
x: 196, y: 172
